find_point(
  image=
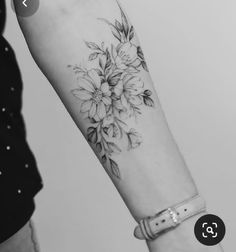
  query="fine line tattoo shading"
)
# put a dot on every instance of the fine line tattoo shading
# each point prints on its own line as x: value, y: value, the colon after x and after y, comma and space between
x: 113, y: 92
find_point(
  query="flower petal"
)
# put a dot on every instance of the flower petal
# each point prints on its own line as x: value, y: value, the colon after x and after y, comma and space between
x: 105, y: 87
x: 82, y: 94
x: 92, y: 110
x: 135, y: 86
x: 124, y: 101
x: 106, y: 100
x: 136, y: 91
x: 139, y: 83
x: 85, y: 84
x: 101, y: 110
x: 128, y: 78
x: 108, y: 94
x: 123, y: 115
x: 86, y: 106
x: 120, y: 64
x: 136, y: 100
x: 136, y: 63
x: 119, y: 88
x: 118, y: 105
x: 96, y: 118
x: 113, y: 51
x: 95, y: 77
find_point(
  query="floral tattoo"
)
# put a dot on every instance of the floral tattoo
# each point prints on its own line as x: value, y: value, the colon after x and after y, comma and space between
x: 113, y: 92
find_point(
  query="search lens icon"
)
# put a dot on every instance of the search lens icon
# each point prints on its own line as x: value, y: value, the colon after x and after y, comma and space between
x: 209, y: 230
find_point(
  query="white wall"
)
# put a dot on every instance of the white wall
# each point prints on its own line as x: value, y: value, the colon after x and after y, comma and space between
x: 190, y: 48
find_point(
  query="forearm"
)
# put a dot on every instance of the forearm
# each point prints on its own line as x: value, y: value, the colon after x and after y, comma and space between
x: 109, y: 93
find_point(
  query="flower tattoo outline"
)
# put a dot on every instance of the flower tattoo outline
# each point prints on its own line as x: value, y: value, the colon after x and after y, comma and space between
x: 113, y: 92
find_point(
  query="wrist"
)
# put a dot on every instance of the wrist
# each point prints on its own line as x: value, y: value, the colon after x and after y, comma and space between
x: 181, y: 239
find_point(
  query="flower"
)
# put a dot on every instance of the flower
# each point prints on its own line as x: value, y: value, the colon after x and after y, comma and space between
x: 127, y: 55
x: 134, y: 139
x: 94, y: 94
x: 129, y: 90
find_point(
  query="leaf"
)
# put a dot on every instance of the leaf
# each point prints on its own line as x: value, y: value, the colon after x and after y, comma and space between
x: 92, y: 120
x: 92, y: 45
x: 110, y: 131
x: 93, y: 56
x: 116, y: 34
x: 116, y: 131
x: 148, y: 101
x: 114, y: 30
x: 140, y: 53
x: 114, y: 97
x: 108, y: 59
x: 101, y: 64
x: 90, y: 130
x: 99, y: 147
x: 148, y: 92
x: 131, y: 33
x: 120, y: 129
x: 104, y: 159
x: 107, y: 72
x: 113, y: 148
x: 120, y: 121
x: 119, y: 25
x: 103, y: 79
x: 132, y: 70
x: 113, y: 52
x: 124, y: 21
x: 115, y: 169
x: 102, y: 46
x: 105, y: 130
x: 113, y: 79
x: 134, y: 111
x: 75, y: 92
x: 105, y: 145
x: 99, y: 72
x: 144, y: 65
x: 92, y: 135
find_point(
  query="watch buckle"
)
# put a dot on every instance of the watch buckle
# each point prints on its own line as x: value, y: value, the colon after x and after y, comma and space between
x: 174, y: 216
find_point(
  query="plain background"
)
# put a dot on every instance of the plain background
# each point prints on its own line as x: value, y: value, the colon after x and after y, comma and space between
x: 190, y: 49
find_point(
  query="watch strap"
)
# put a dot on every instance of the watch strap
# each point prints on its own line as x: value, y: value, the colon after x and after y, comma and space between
x: 151, y: 227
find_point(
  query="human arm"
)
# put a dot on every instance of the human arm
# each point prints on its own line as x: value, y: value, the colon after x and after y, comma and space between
x: 152, y: 174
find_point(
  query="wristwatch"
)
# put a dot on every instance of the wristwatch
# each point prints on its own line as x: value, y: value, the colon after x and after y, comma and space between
x: 153, y: 226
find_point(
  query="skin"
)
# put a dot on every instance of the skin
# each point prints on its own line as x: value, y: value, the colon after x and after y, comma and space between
x: 152, y: 176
